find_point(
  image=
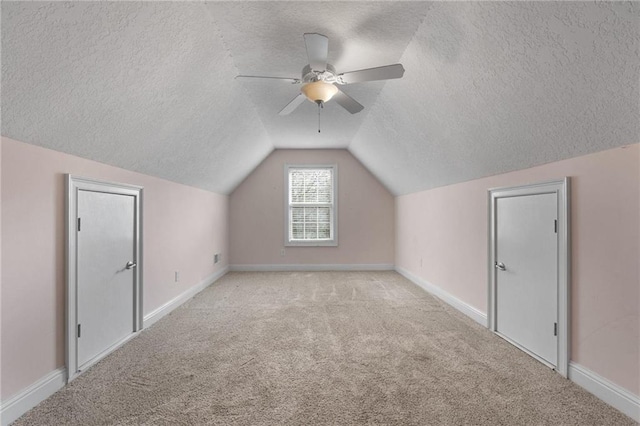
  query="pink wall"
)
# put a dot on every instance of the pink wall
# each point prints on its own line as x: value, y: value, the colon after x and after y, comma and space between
x: 446, y: 229
x: 183, y: 228
x: 365, y: 214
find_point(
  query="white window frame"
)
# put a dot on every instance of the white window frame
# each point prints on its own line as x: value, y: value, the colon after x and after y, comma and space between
x: 288, y: 242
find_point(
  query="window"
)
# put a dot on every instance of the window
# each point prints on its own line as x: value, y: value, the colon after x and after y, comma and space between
x: 311, y: 206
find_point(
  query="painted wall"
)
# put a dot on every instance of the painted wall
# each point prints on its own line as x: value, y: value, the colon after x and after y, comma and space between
x: 441, y: 236
x: 365, y: 214
x: 183, y: 228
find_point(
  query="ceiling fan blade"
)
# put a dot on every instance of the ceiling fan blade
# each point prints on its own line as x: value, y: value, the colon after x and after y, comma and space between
x: 347, y: 102
x: 295, y: 103
x: 317, y: 50
x: 371, y: 74
x: 290, y: 79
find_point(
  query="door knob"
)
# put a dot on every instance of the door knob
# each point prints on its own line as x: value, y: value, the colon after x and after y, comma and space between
x: 500, y: 266
x: 131, y: 265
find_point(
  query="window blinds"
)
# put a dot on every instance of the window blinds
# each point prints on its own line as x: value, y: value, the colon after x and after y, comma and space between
x: 310, y: 204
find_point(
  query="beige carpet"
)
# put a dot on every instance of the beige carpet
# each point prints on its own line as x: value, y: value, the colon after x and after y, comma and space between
x: 334, y: 348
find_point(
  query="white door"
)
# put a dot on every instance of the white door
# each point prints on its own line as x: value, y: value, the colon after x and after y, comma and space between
x: 106, y: 250
x: 526, y: 262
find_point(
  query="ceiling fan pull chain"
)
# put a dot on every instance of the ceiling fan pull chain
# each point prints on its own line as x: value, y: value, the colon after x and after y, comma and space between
x: 319, y: 107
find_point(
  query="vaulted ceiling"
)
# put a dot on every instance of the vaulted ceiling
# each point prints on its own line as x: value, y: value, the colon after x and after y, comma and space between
x: 489, y: 87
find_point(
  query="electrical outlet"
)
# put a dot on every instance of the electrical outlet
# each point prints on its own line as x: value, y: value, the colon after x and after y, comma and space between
x: 282, y: 252
x: 177, y: 276
x: 216, y: 258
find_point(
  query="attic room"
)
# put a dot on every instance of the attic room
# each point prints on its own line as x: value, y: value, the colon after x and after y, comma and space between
x: 188, y: 237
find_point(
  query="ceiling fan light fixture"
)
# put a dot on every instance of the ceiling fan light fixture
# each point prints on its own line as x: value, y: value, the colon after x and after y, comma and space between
x: 319, y: 91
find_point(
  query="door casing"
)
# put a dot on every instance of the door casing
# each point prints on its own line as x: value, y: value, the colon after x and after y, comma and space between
x: 562, y: 189
x: 73, y: 185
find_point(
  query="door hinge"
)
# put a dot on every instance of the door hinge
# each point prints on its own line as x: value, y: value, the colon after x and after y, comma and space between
x: 78, y: 224
x: 79, y: 330
x: 555, y: 328
x: 555, y: 226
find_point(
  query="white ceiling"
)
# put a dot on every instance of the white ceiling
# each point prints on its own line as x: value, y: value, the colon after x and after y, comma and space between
x: 493, y: 87
x: 489, y: 87
x: 265, y: 38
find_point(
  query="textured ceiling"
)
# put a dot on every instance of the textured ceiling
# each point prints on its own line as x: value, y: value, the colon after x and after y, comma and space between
x: 489, y: 86
x: 265, y: 38
x: 492, y: 87
x: 145, y: 86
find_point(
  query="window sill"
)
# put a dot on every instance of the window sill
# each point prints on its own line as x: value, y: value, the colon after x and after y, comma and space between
x: 311, y: 244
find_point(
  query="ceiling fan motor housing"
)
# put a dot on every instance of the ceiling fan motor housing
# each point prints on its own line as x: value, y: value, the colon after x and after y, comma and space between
x: 310, y: 75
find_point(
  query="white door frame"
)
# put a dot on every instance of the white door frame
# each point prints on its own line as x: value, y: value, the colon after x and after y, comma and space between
x: 562, y: 189
x: 73, y: 185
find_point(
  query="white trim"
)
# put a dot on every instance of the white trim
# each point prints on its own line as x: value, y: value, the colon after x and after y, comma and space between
x: 473, y: 313
x: 42, y: 389
x: 562, y: 188
x: 73, y: 185
x: 312, y: 267
x: 612, y: 394
x: 32, y: 395
x: 153, y: 316
x: 333, y: 242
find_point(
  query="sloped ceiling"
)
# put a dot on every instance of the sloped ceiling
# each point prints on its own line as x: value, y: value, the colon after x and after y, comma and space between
x: 492, y: 87
x: 489, y: 86
x: 266, y: 38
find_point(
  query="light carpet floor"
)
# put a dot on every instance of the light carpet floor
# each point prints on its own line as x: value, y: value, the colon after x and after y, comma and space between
x: 326, y: 348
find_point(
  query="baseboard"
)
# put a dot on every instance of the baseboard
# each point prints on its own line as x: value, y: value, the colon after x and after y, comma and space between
x: 153, y: 316
x: 33, y: 395
x: 19, y: 404
x: 612, y: 394
x: 468, y: 310
x: 313, y: 267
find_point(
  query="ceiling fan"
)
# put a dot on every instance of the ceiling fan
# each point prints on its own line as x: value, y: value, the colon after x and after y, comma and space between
x: 319, y: 79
